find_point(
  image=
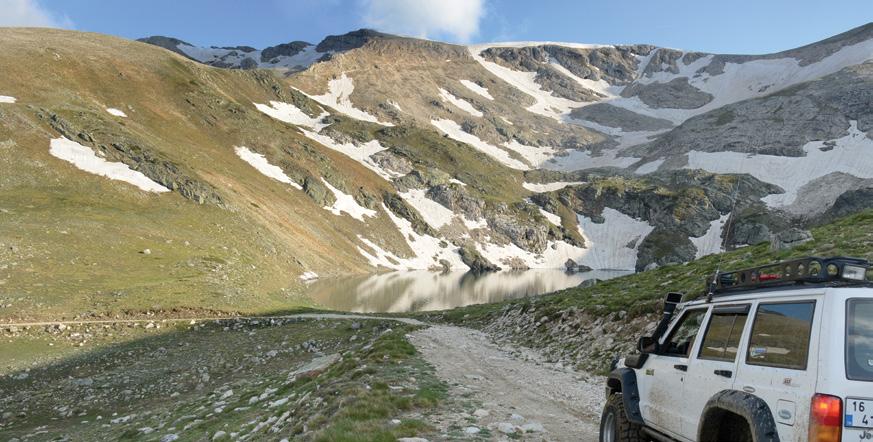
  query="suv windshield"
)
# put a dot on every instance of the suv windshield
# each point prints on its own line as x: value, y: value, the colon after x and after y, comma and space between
x: 859, y: 340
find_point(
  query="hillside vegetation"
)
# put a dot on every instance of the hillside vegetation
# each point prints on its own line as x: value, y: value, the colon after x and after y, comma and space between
x: 588, y: 326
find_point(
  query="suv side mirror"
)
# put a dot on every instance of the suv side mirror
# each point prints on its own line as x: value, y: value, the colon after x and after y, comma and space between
x: 647, y: 344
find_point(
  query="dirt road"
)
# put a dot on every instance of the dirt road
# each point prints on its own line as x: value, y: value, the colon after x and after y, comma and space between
x: 520, y: 393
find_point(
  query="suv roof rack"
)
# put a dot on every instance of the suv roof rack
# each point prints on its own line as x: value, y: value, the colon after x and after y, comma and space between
x: 809, y: 270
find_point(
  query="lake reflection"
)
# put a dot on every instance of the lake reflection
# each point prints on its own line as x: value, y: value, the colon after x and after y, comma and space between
x: 424, y: 290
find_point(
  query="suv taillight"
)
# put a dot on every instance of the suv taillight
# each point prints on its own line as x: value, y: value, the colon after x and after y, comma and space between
x: 825, y: 418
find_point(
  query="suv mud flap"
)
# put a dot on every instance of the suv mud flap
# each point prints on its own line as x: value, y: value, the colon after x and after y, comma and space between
x: 751, y: 408
x: 625, y: 380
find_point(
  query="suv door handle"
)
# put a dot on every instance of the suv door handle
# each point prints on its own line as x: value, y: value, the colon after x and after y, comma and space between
x: 681, y: 367
x: 725, y: 373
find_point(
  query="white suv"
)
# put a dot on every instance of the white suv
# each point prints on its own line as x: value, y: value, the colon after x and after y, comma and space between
x: 776, y: 353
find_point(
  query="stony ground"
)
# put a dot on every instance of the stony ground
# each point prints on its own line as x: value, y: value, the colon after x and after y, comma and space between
x: 301, y: 377
x: 521, y: 396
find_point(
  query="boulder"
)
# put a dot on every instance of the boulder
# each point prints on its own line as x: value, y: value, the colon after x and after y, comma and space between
x: 789, y: 239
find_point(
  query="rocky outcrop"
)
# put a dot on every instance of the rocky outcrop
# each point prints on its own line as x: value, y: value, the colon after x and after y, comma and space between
x: 608, y: 115
x: 850, y: 202
x: 400, y: 208
x: 527, y: 234
x: 455, y: 197
x: 286, y: 49
x: 351, y: 40
x: 163, y: 171
x: 168, y: 43
x: 475, y: 261
x: 664, y: 247
x: 675, y: 94
x: 615, y: 64
x: 789, y: 239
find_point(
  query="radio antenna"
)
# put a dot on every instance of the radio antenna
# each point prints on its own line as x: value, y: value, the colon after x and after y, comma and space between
x: 726, y: 232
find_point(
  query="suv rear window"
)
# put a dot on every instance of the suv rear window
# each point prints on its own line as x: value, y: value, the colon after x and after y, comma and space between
x: 780, y: 335
x: 859, y: 340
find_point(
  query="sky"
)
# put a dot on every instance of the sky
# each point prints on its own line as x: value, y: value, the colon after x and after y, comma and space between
x: 737, y: 26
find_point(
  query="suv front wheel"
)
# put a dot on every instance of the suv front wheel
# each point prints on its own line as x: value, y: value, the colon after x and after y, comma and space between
x: 614, y: 425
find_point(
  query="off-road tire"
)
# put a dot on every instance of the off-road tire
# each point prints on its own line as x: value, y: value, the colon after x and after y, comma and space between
x: 623, y: 429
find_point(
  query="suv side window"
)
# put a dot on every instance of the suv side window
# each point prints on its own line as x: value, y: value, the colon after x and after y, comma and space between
x: 682, y: 336
x: 722, y: 339
x: 780, y: 335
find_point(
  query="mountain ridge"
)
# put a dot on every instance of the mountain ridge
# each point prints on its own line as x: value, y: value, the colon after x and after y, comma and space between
x: 397, y: 153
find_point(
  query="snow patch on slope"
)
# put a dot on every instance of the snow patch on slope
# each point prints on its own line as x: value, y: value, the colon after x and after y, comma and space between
x: 428, y: 250
x: 549, y: 187
x: 259, y: 162
x: 460, y: 103
x: 554, y: 219
x: 475, y: 88
x: 454, y: 131
x: 7, y: 99
x: 337, y: 97
x: 431, y: 211
x: 607, y: 243
x: 346, y: 203
x: 850, y: 154
x: 116, y: 112
x: 711, y: 242
x: 532, y: 154
x: 85, y: 159
x: 290, y: 113
x: 360, y: 153
x: 651, y: 166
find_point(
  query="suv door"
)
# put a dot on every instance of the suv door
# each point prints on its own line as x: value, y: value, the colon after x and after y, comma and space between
x: 664, y: 373
x: 779, y: 361
x: 713, y: 365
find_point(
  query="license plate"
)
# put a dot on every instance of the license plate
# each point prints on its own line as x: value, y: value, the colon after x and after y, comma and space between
x: 859, y: 413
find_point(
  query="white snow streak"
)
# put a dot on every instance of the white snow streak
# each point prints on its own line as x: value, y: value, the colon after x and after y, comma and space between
x: 711, y: 242
x: 651, y: 166
x: 260, y: 163
x: 549, y: 187
x: 116, y: 112
x: 431, y: 211
x: 477, y: 89
x: 546, y: 103
x: 308, y: 276
x: 337, y: 97
x: 7, y: 99
x: 290, y: 113
x: 346, y: 203
x: 84, y: 158
x: 454, y: 131
x: 460, y: 103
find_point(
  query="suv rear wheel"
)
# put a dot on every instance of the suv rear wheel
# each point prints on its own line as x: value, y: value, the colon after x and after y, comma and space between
x: 614, y: 426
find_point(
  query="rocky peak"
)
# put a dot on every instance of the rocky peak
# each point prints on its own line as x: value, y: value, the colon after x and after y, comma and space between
x: 351, y: 40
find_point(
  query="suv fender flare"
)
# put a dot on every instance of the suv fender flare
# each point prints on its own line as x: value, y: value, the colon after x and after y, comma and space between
x: 750, y: 407
x: 625, y: 381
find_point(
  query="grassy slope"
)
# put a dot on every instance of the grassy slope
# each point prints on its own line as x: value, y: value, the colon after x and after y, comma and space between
x: 71, y: 240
